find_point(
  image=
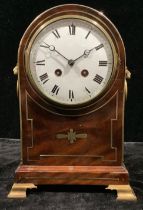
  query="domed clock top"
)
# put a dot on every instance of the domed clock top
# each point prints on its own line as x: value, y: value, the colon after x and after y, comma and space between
x: 71, y: 60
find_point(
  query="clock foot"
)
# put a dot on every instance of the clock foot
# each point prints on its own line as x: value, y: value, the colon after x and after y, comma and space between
x: 124, y: 192
x: 19, y: 190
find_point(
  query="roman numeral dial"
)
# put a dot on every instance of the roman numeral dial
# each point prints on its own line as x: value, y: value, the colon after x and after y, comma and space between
x: 71, y: 95
x: 99, y: 47
x: 98, y: 79
x: 71, y: 61
x: 88, y: 91
x: 44, y: 78
x: 87, y: 34
x: 72, y: 29
x: 40, y: 63
x: 103, y: 63
x: 55, y: 89
x: 56, y: 34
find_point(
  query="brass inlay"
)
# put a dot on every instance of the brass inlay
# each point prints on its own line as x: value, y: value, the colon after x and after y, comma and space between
x: 63, y: 178
x: 71, y: 136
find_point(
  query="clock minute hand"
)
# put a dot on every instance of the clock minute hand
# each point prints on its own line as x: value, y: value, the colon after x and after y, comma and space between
x: 52, y: 48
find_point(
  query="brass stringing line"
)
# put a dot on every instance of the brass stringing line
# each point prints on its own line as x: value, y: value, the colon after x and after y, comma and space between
x: 116, y: 117
x: 115, y: 179
x: 31, y: 122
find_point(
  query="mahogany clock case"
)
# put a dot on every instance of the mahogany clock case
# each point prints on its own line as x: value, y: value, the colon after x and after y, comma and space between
x: 96, y: 158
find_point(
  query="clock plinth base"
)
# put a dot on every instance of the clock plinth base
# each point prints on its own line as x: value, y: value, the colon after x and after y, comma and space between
x: 68, y: 175
x: 116, y: 177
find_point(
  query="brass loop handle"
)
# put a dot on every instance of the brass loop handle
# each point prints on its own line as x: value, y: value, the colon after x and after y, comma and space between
x: 15, y: 72
x: 128, y: 76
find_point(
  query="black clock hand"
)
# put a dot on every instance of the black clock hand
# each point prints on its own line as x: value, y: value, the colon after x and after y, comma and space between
x: 52, y: 48
x: 85, y: 55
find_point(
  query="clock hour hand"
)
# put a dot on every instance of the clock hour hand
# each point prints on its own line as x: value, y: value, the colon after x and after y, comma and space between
x: 52, y: 48
x: 85, y: 54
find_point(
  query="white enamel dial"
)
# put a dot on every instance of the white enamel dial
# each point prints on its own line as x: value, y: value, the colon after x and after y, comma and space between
x: 71, y: 61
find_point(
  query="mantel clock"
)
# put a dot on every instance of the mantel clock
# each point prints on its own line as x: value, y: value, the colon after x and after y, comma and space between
x: 71, y: 74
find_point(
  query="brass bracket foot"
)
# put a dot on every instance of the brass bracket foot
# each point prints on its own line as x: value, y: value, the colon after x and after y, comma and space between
x: 19, y: 190
x: 124, y: 192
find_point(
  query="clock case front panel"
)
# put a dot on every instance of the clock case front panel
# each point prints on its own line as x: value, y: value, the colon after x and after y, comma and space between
x: 90, y: 147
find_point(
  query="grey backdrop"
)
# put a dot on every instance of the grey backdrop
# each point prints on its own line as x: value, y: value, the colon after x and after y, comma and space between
x: 16, y: 15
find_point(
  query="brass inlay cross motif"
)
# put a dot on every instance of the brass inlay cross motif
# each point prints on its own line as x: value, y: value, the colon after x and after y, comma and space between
x: 71, y: 136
